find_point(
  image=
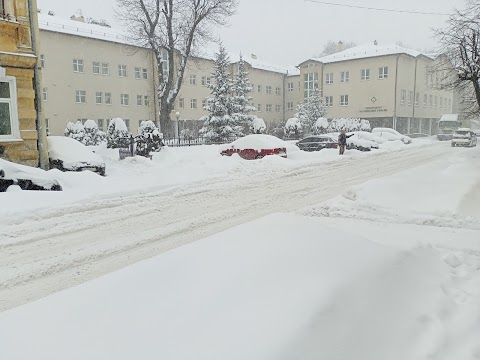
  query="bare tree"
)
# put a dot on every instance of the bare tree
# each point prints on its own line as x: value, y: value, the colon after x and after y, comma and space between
x: 331, y: 47
x: 460, y: 46
x: 173, y: 30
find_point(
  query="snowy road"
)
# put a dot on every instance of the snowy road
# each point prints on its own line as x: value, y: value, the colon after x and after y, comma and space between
x: 75, y: 244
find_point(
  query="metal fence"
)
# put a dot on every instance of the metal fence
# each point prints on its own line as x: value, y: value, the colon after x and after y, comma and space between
x: 195, y: 141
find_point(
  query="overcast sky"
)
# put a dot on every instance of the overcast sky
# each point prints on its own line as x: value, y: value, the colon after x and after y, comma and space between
x: 286, y: 32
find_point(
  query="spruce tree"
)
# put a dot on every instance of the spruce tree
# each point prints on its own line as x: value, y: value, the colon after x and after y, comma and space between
x: 311, y: 110
x: 241, y: 89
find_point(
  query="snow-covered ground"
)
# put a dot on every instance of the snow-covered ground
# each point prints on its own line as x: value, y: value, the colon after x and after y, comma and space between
x: 388, y: 269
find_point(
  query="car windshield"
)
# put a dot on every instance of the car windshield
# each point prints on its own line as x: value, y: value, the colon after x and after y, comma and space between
x: 447, y: 124
x: 462, y: 132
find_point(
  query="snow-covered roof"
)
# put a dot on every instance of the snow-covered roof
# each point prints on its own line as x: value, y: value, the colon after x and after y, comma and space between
x: 367, y: 51
x: 256, y: 64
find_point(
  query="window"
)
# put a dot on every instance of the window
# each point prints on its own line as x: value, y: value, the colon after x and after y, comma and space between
x: 193, y: 79
x: 47, y: 126
x: 278, y: 108
x: 431, y: 101
x: 100, y: 124
x: 138, y: 75
x: 81, y: 96
x: 417, y: 98
x: 127, y: 122
x: 98, y: 97
x: 8, y: 109
x: 124, y: 99
x: 268, y: 90
x: 365, y: 74
x: 42, y: 61
x: 403, y: 97
x: 105, y: 69
x: 145, y: 74
x: 253, y: 88
x: 193, y: 103
x: 77, y: 66
x: 410, y: 98
x: 45, y: 94
x: 204, y: 103
x: 329, y: 101
x: 259, y: 87
x: 165, y: 65
x: 269, y: 108
x: 96, y: 68
x: 206, y: 80
x: 431, y: 79
x: 343, y: 100
x: 290, y: 86
x: 139, y: 100
x: 345, y: 76
x: 108, y: 98
x: 425, y: 97
x: 181, y: 103
x: 426, y: 76
x: 310, y: 84
x: 146, y: 101
x: 140, y: 123
x: 441, y: 103
x: 278, y: 91
x: 122, y: 70
x: 383, y: 72
x: 290, y: 106
x: 329, y: 78
x: 435, y: 102
x: 259, y: 107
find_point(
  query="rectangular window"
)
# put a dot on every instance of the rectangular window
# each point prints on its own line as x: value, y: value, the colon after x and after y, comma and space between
x: 345, y: 76
x: 278, y: 91
x: 204, y: 103
x: 42, y: 61
x: 98, y: 97
x: 365, y: 74
x: 259, y: 87
x: 77, y: 65
x: 105, y: 69
x: 329, y: 78
x: 193, y: 103
x: 181, y: 103
x: 193, y: 79
x: 45, y: 94
x: 343, y: 100
x: 403, y: 97
x: 122, y: 70
x: 47, y: 126
x: 81, y: 96
x: 435, y: 102
x: 100, y: 124
x: 138, y: 75
x: 278, y: 108
x: 425, y: 97
x: 410, y: 98
x: 96, y: 68
x: 310, y: 84
x: 8, y: 109
x: 108, y: 98
x: 430, y: 103
x: 145, y: 74
x: 127, y: 122
x: 139, y: 100
x: 383, y: 72
x: 417, y: 98
x: 124, y: 99
x: 269, y: 108
x: 269, y: 90
x: 329, y: 101
x: 146, y: 101
x: 290, y: 86
x: 290, y: 106
x: 259, y: 107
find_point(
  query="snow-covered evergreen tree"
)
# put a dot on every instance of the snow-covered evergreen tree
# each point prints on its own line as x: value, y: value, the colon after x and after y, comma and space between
x: 75, y: 131
x: 117, y: 134
x: 93, y: 136
x: 321, y: 126
x: 311, y: 110
x: 293, y: 128
x: 148, y: 139
x: 219, y: 125
x: 241, y: 109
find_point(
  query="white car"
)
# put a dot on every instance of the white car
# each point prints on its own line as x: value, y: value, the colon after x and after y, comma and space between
x: 26, y: 177
x: 365, y: 135
x: 356, y: 143
x: 67, y: 154
x: 391, y: 135
x: 464, y: 137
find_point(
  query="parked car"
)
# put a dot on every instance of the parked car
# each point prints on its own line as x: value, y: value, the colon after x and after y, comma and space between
x: 256, y: 146
x: 391, y: 135
x: 464, y: 137
x: 317, y: 143
x: 355, y: 143
x: 365, y: 135
x: 477, y: 132
x: 26, y: 177
x: 417, y: 135
x: 67, y: 154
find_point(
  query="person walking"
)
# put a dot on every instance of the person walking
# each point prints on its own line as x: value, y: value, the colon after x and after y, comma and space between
x: 342, y: 141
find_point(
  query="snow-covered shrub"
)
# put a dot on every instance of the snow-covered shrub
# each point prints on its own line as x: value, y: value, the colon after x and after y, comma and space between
x: 93, y: 136
x: 321, y: 126
x: 75, y: 131
x: 258, y: 126
x: 148, y: 139
x: 293, y: 128
x: 118, y: 135
x: 365, y: 125
x: 349, y: 124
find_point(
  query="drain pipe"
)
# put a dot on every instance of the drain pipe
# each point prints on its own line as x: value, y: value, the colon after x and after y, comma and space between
x: 41, y: 131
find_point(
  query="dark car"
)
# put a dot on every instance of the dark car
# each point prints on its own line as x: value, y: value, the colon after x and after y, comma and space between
x: 317, y: 143
x: 25, y: 177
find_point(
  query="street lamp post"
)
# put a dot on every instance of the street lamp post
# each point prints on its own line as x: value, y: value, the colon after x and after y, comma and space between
x: 177, y: 115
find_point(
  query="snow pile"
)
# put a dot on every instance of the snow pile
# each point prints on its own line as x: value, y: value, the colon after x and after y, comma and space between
x: 72, y: 153
x: 258, y: 142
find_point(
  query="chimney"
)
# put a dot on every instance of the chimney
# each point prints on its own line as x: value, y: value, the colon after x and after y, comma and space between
x: 375, y: 43
x: 51, y: 13
x: 340, y: 46
x: 253, y: 56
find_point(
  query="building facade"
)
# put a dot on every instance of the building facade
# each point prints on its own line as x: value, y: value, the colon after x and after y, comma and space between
x: 20, y: 128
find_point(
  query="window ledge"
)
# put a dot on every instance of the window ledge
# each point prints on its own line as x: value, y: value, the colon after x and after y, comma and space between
x: 10, y: 140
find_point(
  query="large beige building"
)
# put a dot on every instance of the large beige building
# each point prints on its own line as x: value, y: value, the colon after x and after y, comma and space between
x: 90, y: 72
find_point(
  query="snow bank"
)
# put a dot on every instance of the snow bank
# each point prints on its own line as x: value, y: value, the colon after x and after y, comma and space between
x: 15, y: 171
x: 73, y: 153
x: 258, y: 142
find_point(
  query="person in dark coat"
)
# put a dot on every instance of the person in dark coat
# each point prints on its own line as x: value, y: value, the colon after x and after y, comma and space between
x: 342, y: 141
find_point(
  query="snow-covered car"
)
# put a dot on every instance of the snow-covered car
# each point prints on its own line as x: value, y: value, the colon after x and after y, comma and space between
x: 355, y: 143
x: 391, y: 135
x: 317, y: 143
x: 464, y: 137
x: 67, y: 154
x: 365, y: 135
x: 256, y: 146
x: 26, y: 177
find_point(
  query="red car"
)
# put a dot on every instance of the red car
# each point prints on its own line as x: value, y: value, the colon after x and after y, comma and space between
x: 256, y: 146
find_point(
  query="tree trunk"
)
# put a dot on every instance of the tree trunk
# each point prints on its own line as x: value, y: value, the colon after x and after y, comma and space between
x: 166, y: 126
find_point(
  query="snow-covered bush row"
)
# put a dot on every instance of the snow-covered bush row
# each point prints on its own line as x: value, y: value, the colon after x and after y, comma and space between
x: 88, y: 133
x: 349, y: 124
